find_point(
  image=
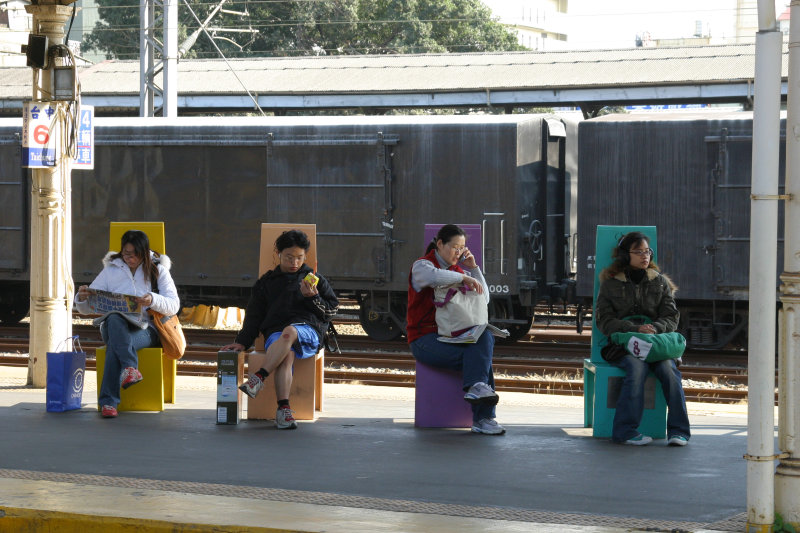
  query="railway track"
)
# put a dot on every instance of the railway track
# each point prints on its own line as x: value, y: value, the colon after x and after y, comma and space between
x: 549, y: 362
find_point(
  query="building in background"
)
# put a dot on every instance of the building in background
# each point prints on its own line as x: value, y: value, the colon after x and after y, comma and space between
x: 15, y: 24
x: 539, y: 24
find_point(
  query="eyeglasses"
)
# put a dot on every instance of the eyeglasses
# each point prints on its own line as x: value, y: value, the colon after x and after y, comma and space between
x: 292, y: 259
x: 641, y: 253
x: 457, y: 249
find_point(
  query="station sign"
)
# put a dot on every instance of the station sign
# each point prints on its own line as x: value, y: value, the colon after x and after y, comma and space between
x: 43, y: 136
x: 84, y: 149
x: 40, y: 134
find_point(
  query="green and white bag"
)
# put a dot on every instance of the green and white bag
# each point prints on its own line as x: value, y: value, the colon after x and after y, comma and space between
x: 651, y: 347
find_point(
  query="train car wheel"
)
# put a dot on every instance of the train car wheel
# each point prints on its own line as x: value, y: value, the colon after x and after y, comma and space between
x: 377, y: 320
x: 500, y: 311
x: 14, y: 307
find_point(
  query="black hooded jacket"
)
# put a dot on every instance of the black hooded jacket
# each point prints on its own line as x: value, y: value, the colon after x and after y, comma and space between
x: 276, y: 302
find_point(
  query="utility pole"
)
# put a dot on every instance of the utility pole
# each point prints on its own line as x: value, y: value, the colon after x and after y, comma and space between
x: 51, y: 207
x: 166, y: 64
x: 787, y: 475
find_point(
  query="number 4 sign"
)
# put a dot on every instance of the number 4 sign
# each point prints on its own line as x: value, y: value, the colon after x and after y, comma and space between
x: 84, y: 149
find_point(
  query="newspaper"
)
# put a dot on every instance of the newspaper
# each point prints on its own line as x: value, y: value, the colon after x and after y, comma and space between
x: 104, y: 303
x: 473, y: 334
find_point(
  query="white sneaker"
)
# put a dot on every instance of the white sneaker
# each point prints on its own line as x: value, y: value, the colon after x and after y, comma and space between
x: 488, y: 426
x: 481, y: 393
x: 284, y: 418
x: 252, y: 386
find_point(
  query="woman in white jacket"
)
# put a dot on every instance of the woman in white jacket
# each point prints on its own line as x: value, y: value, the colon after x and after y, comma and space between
x: 129, y: 271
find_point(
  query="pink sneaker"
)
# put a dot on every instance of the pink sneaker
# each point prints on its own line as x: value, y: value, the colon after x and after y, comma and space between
x: 130, y: 376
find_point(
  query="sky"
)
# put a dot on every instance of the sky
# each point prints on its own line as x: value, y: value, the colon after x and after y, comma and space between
x: 616, y: 23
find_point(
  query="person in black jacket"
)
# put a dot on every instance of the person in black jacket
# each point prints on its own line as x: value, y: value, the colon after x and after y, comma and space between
x: 293, y: 313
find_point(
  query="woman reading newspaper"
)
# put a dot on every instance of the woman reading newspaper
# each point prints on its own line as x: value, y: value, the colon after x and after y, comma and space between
x: 447, y: 261
x: 121, y: 293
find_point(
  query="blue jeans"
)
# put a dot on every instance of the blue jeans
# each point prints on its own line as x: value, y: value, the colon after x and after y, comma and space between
x: 122, y: 340
x: 630, y: 404
x: 473, y: 360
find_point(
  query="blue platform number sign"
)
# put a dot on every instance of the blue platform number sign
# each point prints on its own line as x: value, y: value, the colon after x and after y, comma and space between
x: 84, y: 149
x: 39, y: 135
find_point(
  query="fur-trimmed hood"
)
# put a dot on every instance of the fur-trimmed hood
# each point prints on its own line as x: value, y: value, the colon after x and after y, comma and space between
x: 162, y: 259
x: 652, y: 274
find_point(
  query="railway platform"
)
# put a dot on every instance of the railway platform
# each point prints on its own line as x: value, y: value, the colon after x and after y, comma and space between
x: 360, y: 467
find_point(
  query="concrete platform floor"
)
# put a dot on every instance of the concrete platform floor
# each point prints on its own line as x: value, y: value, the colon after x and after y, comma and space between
x: 361, y: 466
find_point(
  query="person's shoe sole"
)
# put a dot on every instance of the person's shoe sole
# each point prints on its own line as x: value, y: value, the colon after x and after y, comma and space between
x: 482, y: 432
x: 486, y: 400
x: 131, y: 383
x: 245, y: 390
x: 642, y: 442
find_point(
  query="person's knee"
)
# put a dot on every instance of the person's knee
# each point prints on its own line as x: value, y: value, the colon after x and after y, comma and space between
x: 289, y: 334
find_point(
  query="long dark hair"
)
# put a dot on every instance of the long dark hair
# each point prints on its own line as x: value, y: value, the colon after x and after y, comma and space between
x: 141, y: 247
x: 621, y: 253
x: 446, y: 232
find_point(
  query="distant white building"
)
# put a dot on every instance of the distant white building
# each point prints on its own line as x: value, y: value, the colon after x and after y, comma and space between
x: 539, y: 24
x: 15, y: 24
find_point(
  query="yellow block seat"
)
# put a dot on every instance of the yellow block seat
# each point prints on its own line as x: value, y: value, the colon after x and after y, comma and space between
x: 157, y: 386
x: 305, y: 395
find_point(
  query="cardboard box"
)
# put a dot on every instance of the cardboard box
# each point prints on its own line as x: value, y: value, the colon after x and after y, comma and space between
x: 230, y: 369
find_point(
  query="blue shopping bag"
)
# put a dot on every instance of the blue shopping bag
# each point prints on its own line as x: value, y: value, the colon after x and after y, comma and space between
x: 65, y: 372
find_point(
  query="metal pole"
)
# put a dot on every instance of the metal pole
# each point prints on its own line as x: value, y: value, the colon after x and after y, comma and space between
x: 787, y: 475
x: 51, y: 250
x: 146, y: 59
x: 170, y: 72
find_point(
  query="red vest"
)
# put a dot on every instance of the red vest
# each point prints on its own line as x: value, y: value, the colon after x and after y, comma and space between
x: 421, y: 314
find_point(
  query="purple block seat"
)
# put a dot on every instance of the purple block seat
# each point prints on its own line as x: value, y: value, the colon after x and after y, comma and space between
x: 439, y: 399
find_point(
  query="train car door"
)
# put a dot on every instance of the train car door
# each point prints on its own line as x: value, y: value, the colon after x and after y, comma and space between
x: 730, y: 155
x: 341, y: 183
x: 14, y: 232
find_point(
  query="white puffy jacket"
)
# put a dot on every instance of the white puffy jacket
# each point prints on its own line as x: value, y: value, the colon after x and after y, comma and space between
x: 116, y: 277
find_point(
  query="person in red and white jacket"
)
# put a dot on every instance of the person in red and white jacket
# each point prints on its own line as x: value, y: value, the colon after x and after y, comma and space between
x: 444, y: 263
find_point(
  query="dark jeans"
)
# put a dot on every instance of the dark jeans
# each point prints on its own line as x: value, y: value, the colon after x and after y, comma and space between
x: 630, y: 405
x: 122, y: 340
x: 473, y: 360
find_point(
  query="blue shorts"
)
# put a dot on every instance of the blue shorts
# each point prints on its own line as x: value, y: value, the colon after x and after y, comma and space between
x: 306, y: 345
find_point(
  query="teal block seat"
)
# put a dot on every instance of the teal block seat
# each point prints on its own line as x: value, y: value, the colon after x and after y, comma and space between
x: 601, y: 386
x: 601, y: 380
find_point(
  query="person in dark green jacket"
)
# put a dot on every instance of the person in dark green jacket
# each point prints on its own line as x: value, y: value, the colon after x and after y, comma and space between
x: 632, y: 286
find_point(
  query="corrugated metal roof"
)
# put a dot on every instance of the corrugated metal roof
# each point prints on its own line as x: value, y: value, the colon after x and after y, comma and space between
x: 427, y: 73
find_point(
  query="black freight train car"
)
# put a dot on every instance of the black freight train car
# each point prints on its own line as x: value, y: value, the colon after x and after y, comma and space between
x: 688, y: 174
x: 368, y: 183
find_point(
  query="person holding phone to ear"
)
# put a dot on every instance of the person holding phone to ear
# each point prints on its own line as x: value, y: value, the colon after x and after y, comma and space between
x: 447, y: 261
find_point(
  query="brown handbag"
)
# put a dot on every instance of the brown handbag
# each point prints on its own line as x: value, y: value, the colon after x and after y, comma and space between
x: 170, y: 333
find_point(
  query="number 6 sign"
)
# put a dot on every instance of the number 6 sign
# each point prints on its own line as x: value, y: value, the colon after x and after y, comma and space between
x: 40, y: 134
